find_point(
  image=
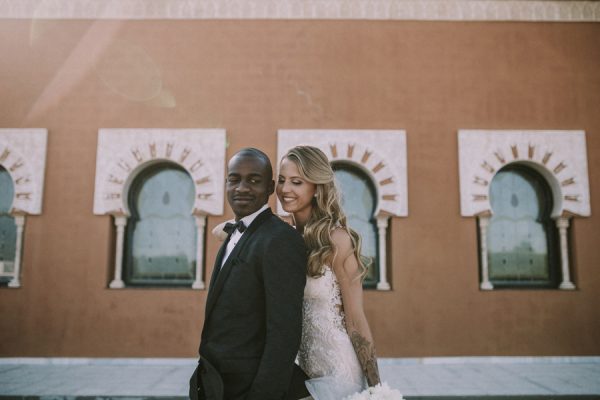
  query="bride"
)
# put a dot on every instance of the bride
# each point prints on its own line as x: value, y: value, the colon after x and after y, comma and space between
x: 337, y: 348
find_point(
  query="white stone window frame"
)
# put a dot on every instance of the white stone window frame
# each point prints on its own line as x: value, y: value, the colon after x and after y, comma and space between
x: 23, y: 155
x: 560, y: 156
x: 380, y: 154
x: 123, y: 153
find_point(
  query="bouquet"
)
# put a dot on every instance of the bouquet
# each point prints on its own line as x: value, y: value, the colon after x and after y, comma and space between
x: 380, y: 391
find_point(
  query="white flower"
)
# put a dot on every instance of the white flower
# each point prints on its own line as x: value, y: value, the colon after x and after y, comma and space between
x: 378, y: 392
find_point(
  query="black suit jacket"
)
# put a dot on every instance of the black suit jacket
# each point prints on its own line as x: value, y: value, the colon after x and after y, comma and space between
x: 253, y: 319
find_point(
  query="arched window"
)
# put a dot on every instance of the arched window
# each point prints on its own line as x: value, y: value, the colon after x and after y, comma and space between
x: 161, y: 232
x: 522, y: 238
x: 8, y: 229
x: 359, y: 203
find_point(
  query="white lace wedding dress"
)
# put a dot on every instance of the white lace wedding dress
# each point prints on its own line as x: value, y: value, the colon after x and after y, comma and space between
x: 326, y: 353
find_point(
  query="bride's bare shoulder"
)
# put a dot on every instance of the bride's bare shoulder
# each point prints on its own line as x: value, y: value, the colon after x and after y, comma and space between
x: 218, y: 231
x: 341, y: 240
x: 287, y: 219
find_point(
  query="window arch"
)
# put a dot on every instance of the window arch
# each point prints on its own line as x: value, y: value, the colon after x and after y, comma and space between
x: 8, y: 228
x: 161, y: 232
x: 522, y: 239
x: 359, y: 201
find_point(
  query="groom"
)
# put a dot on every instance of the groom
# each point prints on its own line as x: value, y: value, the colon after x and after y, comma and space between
x: 253, y: 319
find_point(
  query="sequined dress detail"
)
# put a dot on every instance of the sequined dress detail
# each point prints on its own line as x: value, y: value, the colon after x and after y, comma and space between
x: 326, y: 349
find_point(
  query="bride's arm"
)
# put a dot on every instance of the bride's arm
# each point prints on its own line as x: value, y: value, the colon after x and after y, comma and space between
x: 347, y: 271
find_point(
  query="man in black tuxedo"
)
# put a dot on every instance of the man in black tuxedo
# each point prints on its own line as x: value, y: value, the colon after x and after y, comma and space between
x: 253, y: 319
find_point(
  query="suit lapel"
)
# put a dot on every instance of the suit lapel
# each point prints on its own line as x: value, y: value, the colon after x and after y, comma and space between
x: 218, y: 280
x: 218, y: 262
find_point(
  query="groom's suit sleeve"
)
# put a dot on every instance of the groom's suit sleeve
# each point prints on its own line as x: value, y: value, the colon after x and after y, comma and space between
x: 284, y: 277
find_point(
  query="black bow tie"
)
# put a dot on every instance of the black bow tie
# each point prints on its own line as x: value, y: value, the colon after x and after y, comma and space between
x: 230, y: 228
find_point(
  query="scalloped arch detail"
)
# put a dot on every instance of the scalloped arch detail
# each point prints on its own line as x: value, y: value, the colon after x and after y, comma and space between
x: 381, y: 154
x: 560, y: 156
x: 123, y: 153
x: 23, y: 155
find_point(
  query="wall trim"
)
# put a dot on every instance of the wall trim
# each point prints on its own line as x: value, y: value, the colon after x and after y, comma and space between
x: 418, y: 10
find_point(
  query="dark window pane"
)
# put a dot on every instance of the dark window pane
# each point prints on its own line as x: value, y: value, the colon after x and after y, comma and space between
x: 8, y: 240
x: 358, y: 203
x: 521, y: 235
x: 8, y: 229
x: 161, y: 232
x: 7, y: 191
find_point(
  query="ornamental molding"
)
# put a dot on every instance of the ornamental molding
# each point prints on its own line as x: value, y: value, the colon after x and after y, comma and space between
x: 123, y: 153
x: 560, y: 156
x: 426, y: 10
x: 381, y: 154
x: 23, y: 155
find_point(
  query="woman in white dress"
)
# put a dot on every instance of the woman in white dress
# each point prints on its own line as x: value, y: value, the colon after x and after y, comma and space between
x: 337, y: 347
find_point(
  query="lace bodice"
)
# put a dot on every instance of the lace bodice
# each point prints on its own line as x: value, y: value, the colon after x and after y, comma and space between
x: 326, y: 349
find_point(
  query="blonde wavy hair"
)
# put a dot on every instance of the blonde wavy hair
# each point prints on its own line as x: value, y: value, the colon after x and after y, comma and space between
x: 326, y: 214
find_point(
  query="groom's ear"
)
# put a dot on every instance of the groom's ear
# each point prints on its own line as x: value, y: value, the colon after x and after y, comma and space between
x: 271, y: 187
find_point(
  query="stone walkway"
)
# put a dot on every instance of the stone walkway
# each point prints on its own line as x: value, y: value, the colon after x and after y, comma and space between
x: 415, y: 378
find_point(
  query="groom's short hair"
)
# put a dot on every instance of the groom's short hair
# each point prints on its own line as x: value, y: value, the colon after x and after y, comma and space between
x: 254, y: 152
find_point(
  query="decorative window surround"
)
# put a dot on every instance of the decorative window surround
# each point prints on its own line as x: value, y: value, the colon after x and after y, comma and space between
x: 426, y: 10
x: 561, y: 158
x: 123, y: 153
x: 23, y: 155
x: 381, y: 154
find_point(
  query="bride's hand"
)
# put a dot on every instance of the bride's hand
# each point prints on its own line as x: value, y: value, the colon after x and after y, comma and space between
x: 218, y: 231
x: 288, y: 219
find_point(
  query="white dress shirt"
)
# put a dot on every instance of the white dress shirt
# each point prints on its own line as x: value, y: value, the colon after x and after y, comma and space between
x: 237, y: 235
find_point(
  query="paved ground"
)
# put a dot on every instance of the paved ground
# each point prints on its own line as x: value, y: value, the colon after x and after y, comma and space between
x: 542, y: 377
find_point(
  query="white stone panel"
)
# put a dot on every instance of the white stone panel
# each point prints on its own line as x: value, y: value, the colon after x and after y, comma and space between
x: 123, y: 153
x: 379, y: 153
x: 23, y: 155
x: 560, y: 156
x: 432, y: 10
